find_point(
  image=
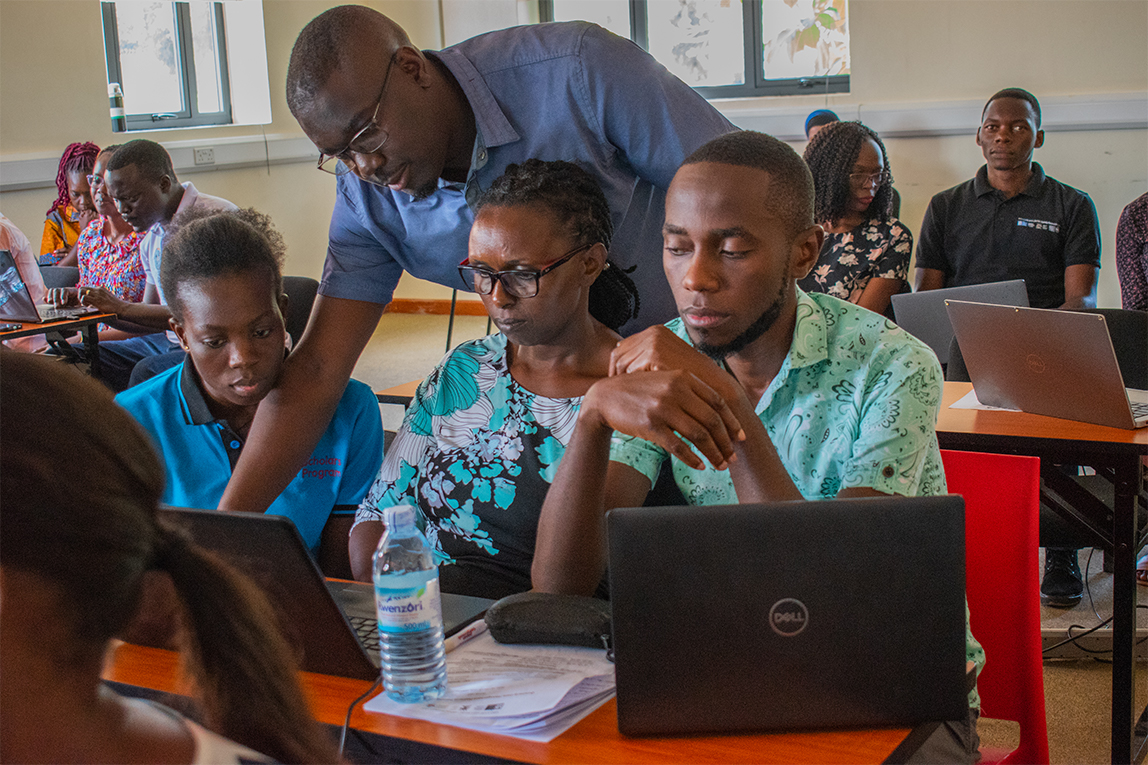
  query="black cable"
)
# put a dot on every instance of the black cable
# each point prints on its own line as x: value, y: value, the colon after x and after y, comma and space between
x: 355, y: 703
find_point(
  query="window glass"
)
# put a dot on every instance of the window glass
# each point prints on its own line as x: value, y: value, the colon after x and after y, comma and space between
x: 700, y: 41
x: 611, y: 14
x: 208, y: 83
x: 149, y: 57
x: 804, y: 38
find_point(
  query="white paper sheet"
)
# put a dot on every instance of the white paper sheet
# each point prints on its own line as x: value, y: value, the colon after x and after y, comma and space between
x: 970, y: 401
x: 526, y: 691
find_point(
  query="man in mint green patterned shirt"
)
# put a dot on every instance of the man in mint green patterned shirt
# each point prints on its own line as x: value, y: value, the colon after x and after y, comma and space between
x: 758, y: 392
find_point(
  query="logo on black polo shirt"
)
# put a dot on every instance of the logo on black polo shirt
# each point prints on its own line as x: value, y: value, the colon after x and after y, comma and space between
x: 1040, y: 225
x: 322, y: 467
x: 788, y: 617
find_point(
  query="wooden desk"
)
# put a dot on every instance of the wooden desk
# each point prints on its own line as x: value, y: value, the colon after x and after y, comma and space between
x: 1115, y: 450
x: 399, y: 394
x: 594, y: 740
x: 85, y: 325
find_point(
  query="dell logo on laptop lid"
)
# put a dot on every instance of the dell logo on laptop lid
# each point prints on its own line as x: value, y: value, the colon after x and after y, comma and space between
x: 788, y: 617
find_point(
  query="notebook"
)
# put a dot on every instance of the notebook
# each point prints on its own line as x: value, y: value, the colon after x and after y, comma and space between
x: 1042, y: 361
x: 923, y: 315
x: 16, y: 302
x: 789, y: 615
x: 316, y: 615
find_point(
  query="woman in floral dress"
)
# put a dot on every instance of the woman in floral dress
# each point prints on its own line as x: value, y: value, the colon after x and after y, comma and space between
x: 865, y: 257
x: 481, y: 440
x: 107, y: 252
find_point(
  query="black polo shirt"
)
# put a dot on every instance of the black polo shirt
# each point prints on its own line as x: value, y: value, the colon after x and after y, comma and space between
x: 974, y: 235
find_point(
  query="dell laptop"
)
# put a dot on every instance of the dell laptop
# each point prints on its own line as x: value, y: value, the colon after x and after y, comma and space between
x: 331, y: 624
x: 923, y: 315
x: 1044, y: 361
x: 16, y: 302
x: 742, y: 617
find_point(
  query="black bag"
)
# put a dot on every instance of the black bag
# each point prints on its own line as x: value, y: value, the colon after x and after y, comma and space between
x: 540, y: 617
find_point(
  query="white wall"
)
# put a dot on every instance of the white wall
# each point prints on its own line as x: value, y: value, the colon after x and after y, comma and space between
x: 946, y: 56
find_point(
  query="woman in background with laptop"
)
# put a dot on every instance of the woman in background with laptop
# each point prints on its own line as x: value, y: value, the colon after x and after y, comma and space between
x: 79, y: 550
x: 108, y: 254
x: 865, y: 256
x: 481, y: 440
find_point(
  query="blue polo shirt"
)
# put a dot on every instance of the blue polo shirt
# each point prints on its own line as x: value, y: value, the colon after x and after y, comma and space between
x: 199, y: 451
x: 566, y: 91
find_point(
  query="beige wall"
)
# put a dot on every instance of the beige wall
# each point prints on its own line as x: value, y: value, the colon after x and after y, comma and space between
x: 903, y: 51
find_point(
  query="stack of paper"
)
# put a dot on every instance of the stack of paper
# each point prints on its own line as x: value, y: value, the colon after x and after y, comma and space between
x: 528, y: 691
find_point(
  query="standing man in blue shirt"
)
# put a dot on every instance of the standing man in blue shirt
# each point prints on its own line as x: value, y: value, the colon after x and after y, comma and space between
x: 415, y: 136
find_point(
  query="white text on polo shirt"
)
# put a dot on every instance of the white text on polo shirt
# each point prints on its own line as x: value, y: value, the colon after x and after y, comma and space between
x: 1041, y: 225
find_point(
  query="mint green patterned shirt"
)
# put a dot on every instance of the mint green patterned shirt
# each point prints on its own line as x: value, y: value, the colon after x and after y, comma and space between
x: 854, y: 405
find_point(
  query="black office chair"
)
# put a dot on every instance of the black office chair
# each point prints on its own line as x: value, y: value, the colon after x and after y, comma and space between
x: 301, y: 291
x: 60, y: 276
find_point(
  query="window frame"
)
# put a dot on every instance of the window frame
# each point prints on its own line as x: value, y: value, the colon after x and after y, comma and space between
x: 752, y: 44
x: 190, y: 116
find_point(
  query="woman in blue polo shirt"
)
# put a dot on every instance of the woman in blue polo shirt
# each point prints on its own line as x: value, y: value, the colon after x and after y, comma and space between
x: 221, y: 273
x: 481, y: 440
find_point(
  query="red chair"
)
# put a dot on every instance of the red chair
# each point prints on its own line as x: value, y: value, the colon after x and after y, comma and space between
x: 1002, y: 581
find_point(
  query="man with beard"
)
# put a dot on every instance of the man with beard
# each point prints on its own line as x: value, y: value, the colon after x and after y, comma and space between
x: 415, y: 137
x: 786, y: 395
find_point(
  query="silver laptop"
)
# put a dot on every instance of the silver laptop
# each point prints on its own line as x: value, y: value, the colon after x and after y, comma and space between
x: 743, y: 618
x: 16, y: 302
x: 1043, y: 361
x: 332, y: 625
x: 923, y: 314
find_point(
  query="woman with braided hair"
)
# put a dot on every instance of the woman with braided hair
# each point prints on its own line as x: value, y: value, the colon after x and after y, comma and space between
x: 73, y: 209
x: 78, y: 551
x: 865, y: 257
x: 481, y: 440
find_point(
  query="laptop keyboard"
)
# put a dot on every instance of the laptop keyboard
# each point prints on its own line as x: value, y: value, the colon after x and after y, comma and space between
x: 368, y: 631
x: 1139, y: 410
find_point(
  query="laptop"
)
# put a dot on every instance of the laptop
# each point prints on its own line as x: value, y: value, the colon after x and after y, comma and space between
x: 1043, y: 361
x: 331, y: 624
x: 16, y: 302
x: 923, y: 315
x: 790, y: 615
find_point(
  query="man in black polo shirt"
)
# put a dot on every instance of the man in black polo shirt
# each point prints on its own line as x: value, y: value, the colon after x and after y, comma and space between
x: 1013, y: 222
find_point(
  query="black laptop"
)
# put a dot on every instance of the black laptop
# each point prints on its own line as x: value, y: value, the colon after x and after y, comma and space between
x: 793, y: 615
x: 332, y: 625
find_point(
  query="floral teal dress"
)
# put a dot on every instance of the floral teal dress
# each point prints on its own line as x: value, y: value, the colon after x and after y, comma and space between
x: 476, y: 454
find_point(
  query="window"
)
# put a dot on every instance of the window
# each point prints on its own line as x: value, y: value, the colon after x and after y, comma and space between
x: 171, y: 62
x: 731, y: 48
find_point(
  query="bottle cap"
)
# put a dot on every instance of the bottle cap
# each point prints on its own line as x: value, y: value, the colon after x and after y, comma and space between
x: 399, y: 517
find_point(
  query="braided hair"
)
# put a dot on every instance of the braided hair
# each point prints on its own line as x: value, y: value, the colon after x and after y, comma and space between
x: 576, y: 199
x: 831, y: 155
x: 78, y: 157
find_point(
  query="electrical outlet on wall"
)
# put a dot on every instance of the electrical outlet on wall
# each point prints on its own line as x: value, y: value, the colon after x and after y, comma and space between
x: 205, y: 156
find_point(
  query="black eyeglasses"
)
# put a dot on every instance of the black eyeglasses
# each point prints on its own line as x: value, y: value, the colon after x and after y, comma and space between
x: 519, y: 284
x: 861, y: 180
x: 369, y: 140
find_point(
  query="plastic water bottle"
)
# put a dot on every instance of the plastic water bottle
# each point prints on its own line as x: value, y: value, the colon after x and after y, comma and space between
x: 116, y: 107
x: 409, y: 610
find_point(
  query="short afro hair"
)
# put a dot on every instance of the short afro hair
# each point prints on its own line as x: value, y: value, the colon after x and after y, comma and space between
x: 324, y: 44
x: 203, y: 244
x: 1018, y: 93
x: 791, y: 188
x: 819, y: 117
x: 152, y: 159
